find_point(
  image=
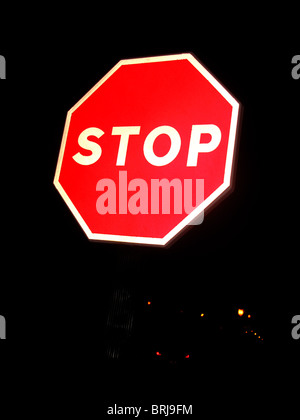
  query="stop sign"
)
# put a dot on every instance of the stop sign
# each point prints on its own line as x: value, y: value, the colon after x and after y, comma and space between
x: 147, y: 149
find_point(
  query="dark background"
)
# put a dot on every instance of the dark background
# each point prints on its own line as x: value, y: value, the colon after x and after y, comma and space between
x: 68, y: 301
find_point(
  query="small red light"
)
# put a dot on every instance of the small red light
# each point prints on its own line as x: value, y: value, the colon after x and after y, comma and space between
x: 158, y: 353
x: 187, y: 356
x: 149, y: 303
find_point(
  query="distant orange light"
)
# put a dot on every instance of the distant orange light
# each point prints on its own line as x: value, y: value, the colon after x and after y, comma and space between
x: 249, y: 316
x: 149, y: 303
x: 241, y: 312
x: 202, y: 315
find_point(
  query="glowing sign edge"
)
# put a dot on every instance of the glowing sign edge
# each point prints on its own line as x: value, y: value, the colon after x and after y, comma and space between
x: 209, y: 200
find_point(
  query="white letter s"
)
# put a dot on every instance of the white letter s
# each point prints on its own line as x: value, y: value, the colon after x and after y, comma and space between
x: 89, y: 145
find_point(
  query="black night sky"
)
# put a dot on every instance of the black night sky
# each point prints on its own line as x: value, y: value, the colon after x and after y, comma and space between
x: 117, y: 311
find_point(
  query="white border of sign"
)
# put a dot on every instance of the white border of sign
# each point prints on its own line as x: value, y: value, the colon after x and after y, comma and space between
x: 195, y: 213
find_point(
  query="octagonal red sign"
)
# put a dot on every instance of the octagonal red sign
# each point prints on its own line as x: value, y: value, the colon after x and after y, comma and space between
x: 147, y: 149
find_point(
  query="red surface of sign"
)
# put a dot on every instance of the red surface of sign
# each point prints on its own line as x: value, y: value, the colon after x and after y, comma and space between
x: 147, y: 149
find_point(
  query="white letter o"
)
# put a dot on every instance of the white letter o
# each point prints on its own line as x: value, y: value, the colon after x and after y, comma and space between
x: 173, y: 151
